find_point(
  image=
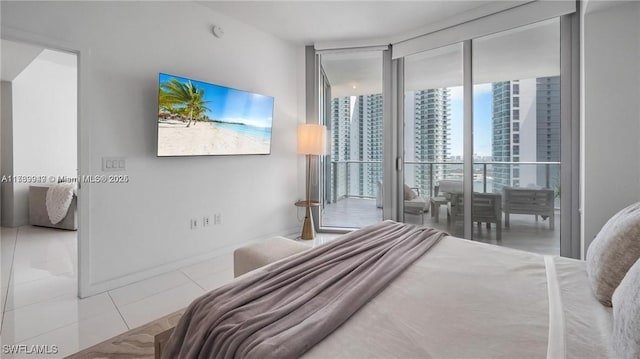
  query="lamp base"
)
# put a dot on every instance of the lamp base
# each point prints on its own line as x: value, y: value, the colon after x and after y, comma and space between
x: 308, y: 232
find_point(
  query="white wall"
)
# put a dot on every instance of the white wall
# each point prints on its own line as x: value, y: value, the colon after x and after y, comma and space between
x: 142, y: 228
x: 6, y: 159
x: 44, y: 124
x: 610, y: 121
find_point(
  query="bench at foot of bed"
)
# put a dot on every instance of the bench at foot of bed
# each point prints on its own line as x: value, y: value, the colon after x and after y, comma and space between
x: 257, y: 255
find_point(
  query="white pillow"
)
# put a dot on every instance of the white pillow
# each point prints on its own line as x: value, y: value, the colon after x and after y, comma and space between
x: 409, y: 194
x: 626, y: 316
x: 614, y: 250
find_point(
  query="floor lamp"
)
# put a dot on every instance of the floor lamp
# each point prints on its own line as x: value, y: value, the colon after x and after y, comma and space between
x: 312, y: 141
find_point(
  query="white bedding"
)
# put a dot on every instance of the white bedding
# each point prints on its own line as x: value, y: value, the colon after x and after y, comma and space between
x: 465, y: 299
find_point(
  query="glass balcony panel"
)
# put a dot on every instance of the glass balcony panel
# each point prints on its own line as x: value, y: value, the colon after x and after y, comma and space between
x: 355, y: 198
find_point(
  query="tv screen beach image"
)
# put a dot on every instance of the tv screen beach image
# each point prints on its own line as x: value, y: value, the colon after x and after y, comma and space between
x: 198, y: 119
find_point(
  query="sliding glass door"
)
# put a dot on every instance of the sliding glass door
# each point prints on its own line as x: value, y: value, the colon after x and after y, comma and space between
x: 507, y: 135
x: 464, y: 137
x: 433, y: 139
x: 517, y: 137
x: 352, y: 109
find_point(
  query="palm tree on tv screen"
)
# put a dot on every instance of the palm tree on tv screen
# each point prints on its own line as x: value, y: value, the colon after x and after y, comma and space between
x: 185, y: 97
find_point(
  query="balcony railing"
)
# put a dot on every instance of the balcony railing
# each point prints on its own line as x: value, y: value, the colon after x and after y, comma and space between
x: 489, y: 176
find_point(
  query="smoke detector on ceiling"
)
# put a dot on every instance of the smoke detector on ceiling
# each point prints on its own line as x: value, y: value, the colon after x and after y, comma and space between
x: 217, y: 31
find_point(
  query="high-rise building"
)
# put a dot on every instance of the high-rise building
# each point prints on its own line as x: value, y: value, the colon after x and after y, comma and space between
x: 366, y: 145
x: 357, y: 135
x: 341, y: 110
x: 356, y: 130
x: 526, y: 128
x: 501, y: 122
x: 427, y: 126
x: 548, y: 129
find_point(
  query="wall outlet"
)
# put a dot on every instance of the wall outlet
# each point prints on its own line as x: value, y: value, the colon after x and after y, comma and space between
x: 194, y: 223
x: 206, y: 222
x: 217, y: 218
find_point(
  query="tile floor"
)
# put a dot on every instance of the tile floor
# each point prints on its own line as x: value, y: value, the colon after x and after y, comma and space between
x: 39, y: 285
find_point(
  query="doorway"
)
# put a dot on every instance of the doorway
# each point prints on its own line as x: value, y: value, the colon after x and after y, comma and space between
x: 39, y: 150
x: 351, y: 106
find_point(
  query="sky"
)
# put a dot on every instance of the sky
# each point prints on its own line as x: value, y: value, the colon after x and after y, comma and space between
x: 231, y: 105
x: 481, y: 120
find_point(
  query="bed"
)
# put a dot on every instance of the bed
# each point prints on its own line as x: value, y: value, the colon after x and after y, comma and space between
x: 464, y: 299
x: 461, y: 299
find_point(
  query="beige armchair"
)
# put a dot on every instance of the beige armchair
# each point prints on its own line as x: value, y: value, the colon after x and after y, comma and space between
x: 38, y: 211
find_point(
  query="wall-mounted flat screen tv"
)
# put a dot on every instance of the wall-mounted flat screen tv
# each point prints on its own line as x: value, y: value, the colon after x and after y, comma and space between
x: 200, y: 119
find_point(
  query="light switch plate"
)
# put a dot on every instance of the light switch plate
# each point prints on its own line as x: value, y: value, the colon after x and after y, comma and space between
x: 110, y: 164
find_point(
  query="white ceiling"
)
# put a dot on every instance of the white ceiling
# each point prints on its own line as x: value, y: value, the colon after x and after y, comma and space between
x: 311, y: 22
x: 15, y: 58
x: 527, y: 52
x: 353, y: 73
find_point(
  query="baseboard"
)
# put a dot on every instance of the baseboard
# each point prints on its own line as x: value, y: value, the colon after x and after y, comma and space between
x: 101, y: 287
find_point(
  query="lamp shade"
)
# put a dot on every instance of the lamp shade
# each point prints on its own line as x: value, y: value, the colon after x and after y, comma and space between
x: 312, y: 139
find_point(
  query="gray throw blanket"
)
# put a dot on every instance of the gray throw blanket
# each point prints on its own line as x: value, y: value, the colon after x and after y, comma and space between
x: 286, y: 308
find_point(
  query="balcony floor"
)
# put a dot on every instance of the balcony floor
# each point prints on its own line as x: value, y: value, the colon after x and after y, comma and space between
x: 524, y: 233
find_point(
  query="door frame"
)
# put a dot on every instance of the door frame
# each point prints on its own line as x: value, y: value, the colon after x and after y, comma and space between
x: 570, y: 128
x: 83, y: 143
x: 314, y: 73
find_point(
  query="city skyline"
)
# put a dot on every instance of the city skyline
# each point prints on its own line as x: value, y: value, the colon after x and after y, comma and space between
x: 514, y: 121
x: 482, y: 116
